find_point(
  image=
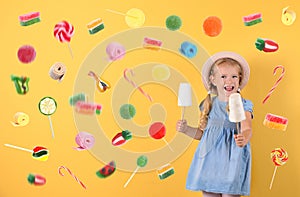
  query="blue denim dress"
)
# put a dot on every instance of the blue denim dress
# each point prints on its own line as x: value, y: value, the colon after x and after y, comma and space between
x: 219, y: 165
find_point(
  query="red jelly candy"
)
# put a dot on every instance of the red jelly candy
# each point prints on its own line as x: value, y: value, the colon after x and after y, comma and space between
x: 26, y: 54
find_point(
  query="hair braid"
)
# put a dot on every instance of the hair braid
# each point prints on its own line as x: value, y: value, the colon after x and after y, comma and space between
x: 207, y: 104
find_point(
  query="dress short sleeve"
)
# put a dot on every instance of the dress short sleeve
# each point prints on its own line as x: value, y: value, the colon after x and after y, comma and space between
x: 248, y: 106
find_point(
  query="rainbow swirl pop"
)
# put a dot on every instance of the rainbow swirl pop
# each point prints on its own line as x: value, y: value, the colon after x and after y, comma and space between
x: 279, y: 156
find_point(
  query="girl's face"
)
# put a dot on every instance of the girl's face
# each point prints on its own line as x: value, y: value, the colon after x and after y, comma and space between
x: 226, y: 78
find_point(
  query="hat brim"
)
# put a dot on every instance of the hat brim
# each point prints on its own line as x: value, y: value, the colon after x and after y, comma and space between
x: 225, y: 54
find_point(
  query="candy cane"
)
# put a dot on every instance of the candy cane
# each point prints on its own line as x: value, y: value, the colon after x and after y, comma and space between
x: 276, y: 83
x: 134, y: 84
x: 59, y: 171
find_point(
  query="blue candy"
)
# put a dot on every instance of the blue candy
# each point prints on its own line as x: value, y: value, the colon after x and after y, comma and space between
x: 188, y: 49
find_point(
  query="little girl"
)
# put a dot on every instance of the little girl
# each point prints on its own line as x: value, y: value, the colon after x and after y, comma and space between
x: 221, y: 166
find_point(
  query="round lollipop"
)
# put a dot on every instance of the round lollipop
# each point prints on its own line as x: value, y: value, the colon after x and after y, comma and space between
x: 158, y: 131
x: 140, y: 162
x: 63, y: 31
x: 127, y: 111
x: 47, y: 107
x: 279, y: 157
x: 161, y: 72
x: 38, y: 152
x: 133, y: 17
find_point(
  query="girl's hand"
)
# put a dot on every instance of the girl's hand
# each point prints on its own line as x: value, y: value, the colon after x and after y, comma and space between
x: 240, y: 140
x: 181, y: 126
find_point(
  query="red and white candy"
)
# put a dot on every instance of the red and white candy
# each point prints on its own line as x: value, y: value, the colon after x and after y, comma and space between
x: 63, y: 31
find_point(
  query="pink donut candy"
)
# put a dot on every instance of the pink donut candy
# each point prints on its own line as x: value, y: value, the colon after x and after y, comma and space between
x: 84, y: 140
x: 63, y: 31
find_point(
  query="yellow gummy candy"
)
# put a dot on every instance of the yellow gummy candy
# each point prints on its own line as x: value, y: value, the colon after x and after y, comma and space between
x: 288, y: 16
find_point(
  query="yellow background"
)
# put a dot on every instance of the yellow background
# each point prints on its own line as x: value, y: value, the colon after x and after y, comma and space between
x: 16, y: 165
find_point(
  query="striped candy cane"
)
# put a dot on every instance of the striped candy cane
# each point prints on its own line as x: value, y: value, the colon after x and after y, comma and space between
x: 134, y: 84
x: 276, y: 83
x: 59, y: 171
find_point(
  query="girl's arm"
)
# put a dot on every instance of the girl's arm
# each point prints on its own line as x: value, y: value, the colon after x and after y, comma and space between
x: 192, y: 132
x: 246, y: 131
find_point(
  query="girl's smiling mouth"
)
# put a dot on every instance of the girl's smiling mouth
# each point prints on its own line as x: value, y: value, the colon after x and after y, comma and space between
x: 228, y: 88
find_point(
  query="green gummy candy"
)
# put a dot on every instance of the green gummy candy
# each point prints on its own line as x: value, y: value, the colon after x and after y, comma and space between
x: 260, y: 44
x: 166, y: 174
x: 250, y: 23
x: 126, y: 135
x: 142, y: 161
x: 173, y: 22
x: 98, y: 112
x: 96, y: 29
x: 31, y: 178
x: 30, y: 22
x: 77, y: 97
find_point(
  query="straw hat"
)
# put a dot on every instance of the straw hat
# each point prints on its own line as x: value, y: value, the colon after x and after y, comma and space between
x: 225, y: 54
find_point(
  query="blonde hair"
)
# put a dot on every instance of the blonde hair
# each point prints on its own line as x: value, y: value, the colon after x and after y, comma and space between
x: 207, y: 102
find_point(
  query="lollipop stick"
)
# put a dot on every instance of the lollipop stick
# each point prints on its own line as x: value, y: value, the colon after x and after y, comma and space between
x: 51, y: 127
x: 182, y: 113
x: 17, y: 147
x: 137, y: 168
x: 70, y: 49
x: 273, y: 177
x: 168, y: 144
x: 120, y: 13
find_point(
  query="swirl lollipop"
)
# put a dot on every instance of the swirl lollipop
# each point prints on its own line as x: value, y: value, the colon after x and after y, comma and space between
x: 140, y: 162
x: 63, y: 31
x: 47, y: 107
x: 279, y: 157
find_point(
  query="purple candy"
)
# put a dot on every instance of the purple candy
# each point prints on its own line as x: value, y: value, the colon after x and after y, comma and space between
x: 115, y: 51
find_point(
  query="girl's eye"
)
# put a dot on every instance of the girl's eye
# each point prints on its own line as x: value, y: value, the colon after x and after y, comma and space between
x: 235, y: 76
x: 223, y: 76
